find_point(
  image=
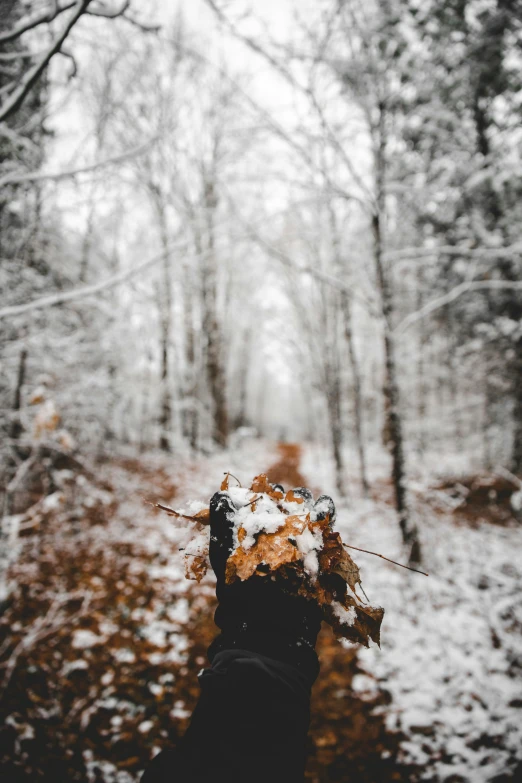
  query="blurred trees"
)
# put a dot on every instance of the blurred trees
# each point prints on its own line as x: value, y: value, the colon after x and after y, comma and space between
x: 335, y: 253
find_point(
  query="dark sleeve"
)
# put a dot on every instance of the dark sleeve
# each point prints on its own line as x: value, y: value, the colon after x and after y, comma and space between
x: 250, y: 724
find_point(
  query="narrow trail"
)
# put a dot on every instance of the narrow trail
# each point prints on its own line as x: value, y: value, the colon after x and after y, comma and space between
x: 286, y: 470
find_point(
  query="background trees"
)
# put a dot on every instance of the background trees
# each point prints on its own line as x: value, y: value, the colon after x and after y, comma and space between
x: 335, y: 256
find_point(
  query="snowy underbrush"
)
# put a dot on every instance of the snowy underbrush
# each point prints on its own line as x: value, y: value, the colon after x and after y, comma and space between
x: 451, y: 644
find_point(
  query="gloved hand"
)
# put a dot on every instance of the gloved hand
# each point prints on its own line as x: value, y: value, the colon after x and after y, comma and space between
x: 259, y: 614
x: 252, y: 717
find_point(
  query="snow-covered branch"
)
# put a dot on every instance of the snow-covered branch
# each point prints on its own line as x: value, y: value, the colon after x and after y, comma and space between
x: 39, y: 176
x: 451, y: 296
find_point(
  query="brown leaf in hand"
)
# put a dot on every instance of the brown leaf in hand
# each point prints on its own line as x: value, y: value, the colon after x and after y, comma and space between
x: 272, y: 549
x: 366, y: 623
x: 335, y: 559
x: 291, y: 498
x: 261, y: 484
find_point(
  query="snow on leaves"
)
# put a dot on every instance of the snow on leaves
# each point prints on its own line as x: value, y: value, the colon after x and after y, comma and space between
x: 285, y: 536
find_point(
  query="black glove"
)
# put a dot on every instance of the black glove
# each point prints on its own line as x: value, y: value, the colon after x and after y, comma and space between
x: 259, y: 614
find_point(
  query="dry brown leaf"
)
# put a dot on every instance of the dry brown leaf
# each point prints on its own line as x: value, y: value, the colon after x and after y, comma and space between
x: 225, y: 483
x: 291, y: 498
x: 261, y: 484
x: 196, y: 567
x: 202, y: 516
x: 335, y: 559
x: 272, y: 549
x: 366, y: 624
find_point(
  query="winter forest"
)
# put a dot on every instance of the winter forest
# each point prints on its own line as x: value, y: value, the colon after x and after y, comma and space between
x: 258, y: 236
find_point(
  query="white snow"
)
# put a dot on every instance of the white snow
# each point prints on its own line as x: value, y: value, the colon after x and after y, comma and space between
x: 345, y: 616
x: 83, y: 638
x: 266, y: 518
x: 308, y: 544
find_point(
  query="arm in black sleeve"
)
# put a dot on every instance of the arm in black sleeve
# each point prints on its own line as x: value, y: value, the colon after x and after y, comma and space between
x: 252, y: 717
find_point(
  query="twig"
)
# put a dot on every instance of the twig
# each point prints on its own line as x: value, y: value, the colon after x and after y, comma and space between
x: 349, y: 546
x: 228, y: 473
x: 252, y: 501
x: 203, y: 520
x: 362, y: 588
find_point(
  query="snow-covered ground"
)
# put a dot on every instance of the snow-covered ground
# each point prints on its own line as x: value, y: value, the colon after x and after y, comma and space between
x: 451, y: 644
x: 451, y: 647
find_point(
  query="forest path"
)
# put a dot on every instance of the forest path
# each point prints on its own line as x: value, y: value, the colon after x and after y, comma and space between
x: 286, y: 470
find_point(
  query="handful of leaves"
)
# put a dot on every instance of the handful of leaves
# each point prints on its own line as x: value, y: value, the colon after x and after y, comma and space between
x: 290, y: 538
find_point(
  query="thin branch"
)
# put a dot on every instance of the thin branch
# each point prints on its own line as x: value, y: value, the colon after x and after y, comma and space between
x: 251, y: 502
x: 324, y: 277
x: 34, y: 21
x: 38, y: 176
x: 33, y: 74
x: 145, y: 28
x: 455, y: 293
x: 74, y: 70
x: 117, y: 279
x: 349, y: 546
x: 89, y: 290
x: 413, y: 253
x: 203, y: 519
x: 111, y: 14
x: 307, y: 91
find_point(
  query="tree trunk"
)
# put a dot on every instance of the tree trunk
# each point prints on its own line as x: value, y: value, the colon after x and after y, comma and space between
x: 516, y: 454
x: 211, y: 328
x: 408, y: 528
x: 357, y: 397
x: 15, y: 427
x: 164, y: 299
x: 334, y: 415
x: 191, y: 416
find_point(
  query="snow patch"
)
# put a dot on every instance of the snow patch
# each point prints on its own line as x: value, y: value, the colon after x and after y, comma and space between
x: 345, y: 616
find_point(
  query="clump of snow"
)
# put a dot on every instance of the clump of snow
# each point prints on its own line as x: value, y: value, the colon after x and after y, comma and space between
x: 240, y: 496
x: 266, y: 518
x: 71, y: 666
x: 294, y: 507
x: 198, y: 545
x: 308, y: 544
x: 84, y: 638
x: 123, y: 655
x: 179, y: 711
x: 345, y: 616
x: 516, y: 500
